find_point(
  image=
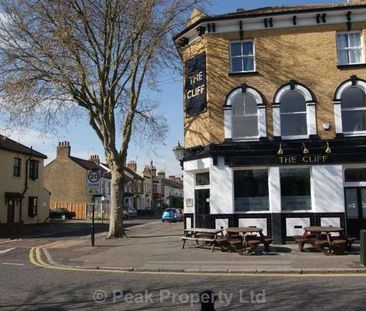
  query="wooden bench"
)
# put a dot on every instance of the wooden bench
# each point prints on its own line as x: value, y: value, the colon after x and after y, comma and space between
x: 186, y: 238
x: 339, y: 246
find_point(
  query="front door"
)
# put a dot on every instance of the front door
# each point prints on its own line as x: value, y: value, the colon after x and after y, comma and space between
x: 355, y: 210
x: 202, y: 208
x: 11, y: 210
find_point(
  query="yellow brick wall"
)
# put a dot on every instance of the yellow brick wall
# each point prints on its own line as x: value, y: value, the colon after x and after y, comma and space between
x: 305, y: 54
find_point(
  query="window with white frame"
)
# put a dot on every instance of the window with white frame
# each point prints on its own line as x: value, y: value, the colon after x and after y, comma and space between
x: 242, y: 56
x: 293, y: 114
x: 353, y: 108
x: 244, y: 116
x: 349, y: 48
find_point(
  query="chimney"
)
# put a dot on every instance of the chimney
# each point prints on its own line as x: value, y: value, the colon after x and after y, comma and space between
x: 195, y: 16
x: 132, y: 165
x: 95, y: 158
x: 172, y: 178
x: 63, y: 150
x: 161, y: 174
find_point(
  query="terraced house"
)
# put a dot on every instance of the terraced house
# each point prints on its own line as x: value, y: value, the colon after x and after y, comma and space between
x: 275, y: 118
x: 23, y: 198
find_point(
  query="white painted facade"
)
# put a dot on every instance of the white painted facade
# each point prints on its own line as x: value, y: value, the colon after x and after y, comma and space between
x: 327, y: 187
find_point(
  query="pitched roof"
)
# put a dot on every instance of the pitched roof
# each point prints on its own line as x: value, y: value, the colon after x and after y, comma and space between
x: 172, y: 183
x: 11, y: 145
x: 89, y: 165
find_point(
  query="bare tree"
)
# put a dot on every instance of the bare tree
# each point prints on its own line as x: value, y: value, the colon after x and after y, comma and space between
x: 95, y: 54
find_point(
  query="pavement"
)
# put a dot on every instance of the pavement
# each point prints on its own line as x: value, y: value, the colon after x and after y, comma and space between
x: 156, y: 247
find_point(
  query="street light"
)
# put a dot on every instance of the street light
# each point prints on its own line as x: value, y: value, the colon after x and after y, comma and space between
x: 179, y: 152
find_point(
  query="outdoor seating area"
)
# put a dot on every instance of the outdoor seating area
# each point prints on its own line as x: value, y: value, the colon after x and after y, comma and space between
x: 331, y: 240
x: 242, y: 240
x: 245, y: 240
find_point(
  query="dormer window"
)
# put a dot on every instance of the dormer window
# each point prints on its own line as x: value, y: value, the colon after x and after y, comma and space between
x: 242, y: 56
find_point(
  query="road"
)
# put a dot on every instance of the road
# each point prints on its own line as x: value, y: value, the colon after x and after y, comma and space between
x: 24, y: 286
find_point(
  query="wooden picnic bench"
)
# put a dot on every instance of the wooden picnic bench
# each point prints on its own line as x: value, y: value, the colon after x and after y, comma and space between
x: 247, y: 243
x: 210, y: 236
x: 320, y: 237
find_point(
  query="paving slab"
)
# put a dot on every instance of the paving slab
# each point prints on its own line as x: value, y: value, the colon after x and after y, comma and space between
x: 157, y: 246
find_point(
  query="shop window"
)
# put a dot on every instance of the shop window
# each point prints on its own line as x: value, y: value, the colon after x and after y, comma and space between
x: 293, y: 115
x: 33, y: 169
x: 349, y: 48
x: 294, y: 112
x: 353, y: 107
x: 295, y: 189
x: 17, y: 167
x: 355, y: 175
x: 251, y: 190
x: 203, y: 179
x: 245, y: 116
x: 242, y: 56
x: 32, y: 206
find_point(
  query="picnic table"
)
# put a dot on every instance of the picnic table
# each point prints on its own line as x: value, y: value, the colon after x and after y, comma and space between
x: 321, y: 237
x: 246, y: 239
x: 202, y: 235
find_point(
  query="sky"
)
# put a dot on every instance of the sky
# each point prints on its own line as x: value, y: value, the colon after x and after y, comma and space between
x: 84, y: 141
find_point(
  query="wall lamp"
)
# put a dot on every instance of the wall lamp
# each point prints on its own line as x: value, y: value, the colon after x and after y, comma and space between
x: 280, y: 150
x: 179, y: 153
x: 327, y: 148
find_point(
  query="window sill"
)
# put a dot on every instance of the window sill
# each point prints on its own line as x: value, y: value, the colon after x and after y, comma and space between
x: 348, y: 66
x: 246, y: 73
x: 355, y: 134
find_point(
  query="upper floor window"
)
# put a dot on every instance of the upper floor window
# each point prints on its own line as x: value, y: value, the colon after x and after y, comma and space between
x: 33, y: 169
x: 294, y: 112
x: 353, y: 106
x: 350, y: 107
x: 242, y: 56
x: 349, y: 47
x: 245, y: 115
x: 293, y: 115
x: 17, y: 166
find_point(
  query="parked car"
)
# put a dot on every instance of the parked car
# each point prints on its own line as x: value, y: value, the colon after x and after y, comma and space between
x: 171, y: 214
x: 61, y: 213
x: 132, y: 212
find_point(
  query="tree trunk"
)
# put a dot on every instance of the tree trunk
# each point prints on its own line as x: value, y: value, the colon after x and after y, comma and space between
x: 116, y: 205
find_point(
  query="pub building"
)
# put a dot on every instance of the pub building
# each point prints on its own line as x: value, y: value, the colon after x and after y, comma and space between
x: 275, y: 118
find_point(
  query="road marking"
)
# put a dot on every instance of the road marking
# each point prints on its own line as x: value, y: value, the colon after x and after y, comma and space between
x: 35, y: 257
x: 13, y: 264
x: 7, y: 250
x: 10, y: 241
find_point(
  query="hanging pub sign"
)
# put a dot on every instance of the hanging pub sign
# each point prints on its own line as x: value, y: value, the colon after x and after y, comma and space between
x: 195, y: 93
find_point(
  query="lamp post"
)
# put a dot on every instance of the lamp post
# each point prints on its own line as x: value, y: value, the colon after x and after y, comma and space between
x: 179, y: 153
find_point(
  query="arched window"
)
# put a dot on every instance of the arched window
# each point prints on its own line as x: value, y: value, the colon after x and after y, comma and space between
x: 245, y: 117
x: 350, y: 107
x: 294, y: 115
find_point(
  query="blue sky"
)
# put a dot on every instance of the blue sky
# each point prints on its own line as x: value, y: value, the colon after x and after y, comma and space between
x: 84, y: 141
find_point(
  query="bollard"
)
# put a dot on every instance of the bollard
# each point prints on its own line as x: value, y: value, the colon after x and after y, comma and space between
x: 207, y: 299
x: 363, y: 247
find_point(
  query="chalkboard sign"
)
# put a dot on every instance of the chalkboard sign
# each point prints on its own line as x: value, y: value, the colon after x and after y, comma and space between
x: 195, y: 85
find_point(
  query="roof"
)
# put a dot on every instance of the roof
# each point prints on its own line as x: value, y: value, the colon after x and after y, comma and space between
x: 275, y: 10
x: 11, y: 145
x: 172, y: 183
x: 89, y: 165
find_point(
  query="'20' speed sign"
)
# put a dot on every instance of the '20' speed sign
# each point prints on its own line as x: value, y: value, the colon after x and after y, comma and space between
x: 94, y: 176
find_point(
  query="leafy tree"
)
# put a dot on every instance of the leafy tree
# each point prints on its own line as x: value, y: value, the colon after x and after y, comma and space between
x: 97, y: 55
